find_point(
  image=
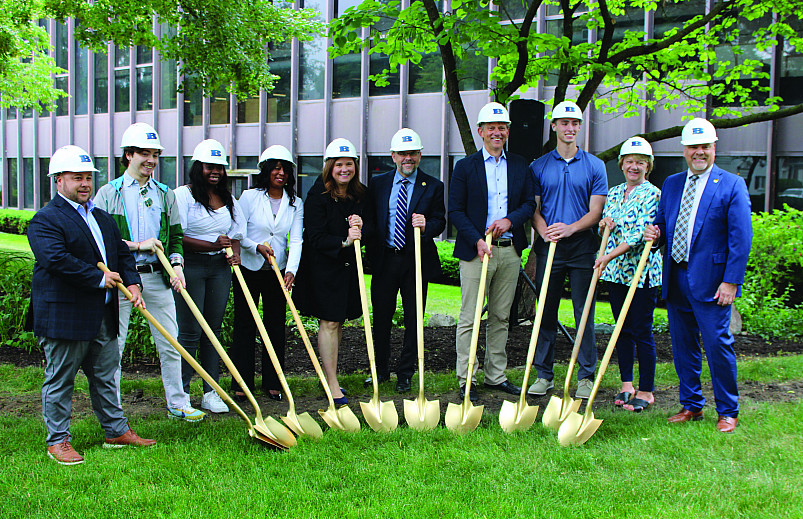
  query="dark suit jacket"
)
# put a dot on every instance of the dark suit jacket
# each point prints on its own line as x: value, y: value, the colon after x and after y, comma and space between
x: 721, y: 237
x: 468, y: 202
x: 427, y: 199
x: 67, y: 300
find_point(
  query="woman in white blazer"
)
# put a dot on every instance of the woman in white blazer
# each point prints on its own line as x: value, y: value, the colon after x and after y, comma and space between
x: 273, y: 214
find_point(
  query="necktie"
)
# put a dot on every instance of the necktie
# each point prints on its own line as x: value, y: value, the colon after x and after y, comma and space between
x: 401, y: 215
x: 680, y: 241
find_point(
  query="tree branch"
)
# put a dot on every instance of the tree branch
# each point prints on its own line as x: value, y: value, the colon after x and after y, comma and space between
x: 523, y: 53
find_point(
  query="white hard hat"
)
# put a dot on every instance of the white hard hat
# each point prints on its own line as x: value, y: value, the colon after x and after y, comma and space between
x: 567, y: 110
x: 340, y: 148
x: 406, y: 140
x: 211, y: 152
x: 636, y: 145
x: 70, y: 158
x: 141, y: 135
x: 493, y: 113
x: 278, y: 152
x: 698, y: 131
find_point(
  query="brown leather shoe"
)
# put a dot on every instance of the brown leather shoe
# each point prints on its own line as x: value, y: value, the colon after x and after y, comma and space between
x: 64, y: 454
x: 727, y: 424
x: 129, y: 438
x: 685, y: 416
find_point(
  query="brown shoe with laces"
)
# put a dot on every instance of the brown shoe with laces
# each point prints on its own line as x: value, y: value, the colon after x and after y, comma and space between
x: 64, y: 454
x: 727, y: 424
x: 129, y: 438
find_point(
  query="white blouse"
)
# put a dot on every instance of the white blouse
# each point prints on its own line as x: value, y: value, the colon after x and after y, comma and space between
x: 280, y: 231
x: 205, y: 225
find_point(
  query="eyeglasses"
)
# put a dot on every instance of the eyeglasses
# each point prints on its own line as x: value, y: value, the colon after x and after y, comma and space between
x: 143, y: 192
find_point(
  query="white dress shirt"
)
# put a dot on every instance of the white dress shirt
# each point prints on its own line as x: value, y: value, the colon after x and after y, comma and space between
x: 205, y: 225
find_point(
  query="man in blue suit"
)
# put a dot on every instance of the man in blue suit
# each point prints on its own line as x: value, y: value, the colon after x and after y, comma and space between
x: 704, y: 218
x: 490, y: 191
x: 75, y: 305
x: 390, y: 248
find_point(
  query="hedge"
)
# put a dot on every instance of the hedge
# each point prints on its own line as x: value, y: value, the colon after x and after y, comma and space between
x: 15, y: 221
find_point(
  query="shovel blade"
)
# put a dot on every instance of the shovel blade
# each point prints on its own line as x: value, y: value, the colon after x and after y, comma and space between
x: 513, y: 418
x: 380, y: 416
x: 342, y: 419
x: 303, y: 425
x: 271, y: 428
x: 265, y: 441
x: 462, y: 418
x: 576, y: 430
x: 557, y: 410
x: 421, y: 414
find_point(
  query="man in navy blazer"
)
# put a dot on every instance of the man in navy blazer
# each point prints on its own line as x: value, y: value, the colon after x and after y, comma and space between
x: 390, y: 247
x: 75, y: 305
x: 704, y: 219
x: 490, y: 191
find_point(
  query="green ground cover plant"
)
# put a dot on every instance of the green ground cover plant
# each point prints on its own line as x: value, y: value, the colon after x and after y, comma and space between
x: 15, y: 221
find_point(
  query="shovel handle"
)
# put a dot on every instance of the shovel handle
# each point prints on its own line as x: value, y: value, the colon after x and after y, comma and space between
x: 366, y: 316
x: 210, y: 334
x: 619, y: 325
x: 581, y: 327
x: 302, y: 331
x: 263, y: 333
x: 419, y: 310
x: 475, y: 331
x: 184, y: 353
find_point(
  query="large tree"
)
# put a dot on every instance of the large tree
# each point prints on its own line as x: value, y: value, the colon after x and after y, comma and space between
x: 701, y: 61
x: 220, y: 43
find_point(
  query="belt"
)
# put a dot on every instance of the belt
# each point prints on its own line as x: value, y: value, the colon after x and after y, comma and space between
x: 681, y: 264
x: 148, y: 268
x: 503, y: 242
x: 395, y: 251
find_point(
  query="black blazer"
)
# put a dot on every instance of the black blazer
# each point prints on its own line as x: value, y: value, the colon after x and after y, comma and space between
x: 468, y: 202
x: 427, y: 199
x: 67, y: 300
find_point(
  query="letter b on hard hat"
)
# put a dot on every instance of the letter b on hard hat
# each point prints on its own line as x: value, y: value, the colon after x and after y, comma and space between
x: 406, y: 140
x: 70, y: 158
x: 493, y: 113
x: 340, y: 148
x: 698, y: 131
x: 211, y: 152
x: 567, y: 110
x: 636, y: 146
x: 141, y: 135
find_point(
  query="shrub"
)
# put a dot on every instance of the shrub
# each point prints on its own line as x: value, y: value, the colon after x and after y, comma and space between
x: 450, y: 266
x: 16, y: 270
x: 14, y: 221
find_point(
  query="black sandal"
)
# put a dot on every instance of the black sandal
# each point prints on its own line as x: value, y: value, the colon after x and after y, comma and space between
x: 639, y: 405
x: 624, y: 397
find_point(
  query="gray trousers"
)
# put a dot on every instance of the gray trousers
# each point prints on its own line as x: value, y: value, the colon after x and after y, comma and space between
x: 99, y: 359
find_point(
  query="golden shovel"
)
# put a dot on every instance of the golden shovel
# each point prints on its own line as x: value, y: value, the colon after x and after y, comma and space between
x: 577, y: 429
x: 272, y: 433
x: 344, y: 418
x: 381, y: 416
x: 299, y: 423
x: 421, y: 414
x: 463, y: 418
x: 520, y: 416
x: 275, y: 426
x: 557, y: 410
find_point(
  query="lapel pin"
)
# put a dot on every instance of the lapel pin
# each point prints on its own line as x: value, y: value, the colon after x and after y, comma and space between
x: 716, y: 180
x: 423, y: 183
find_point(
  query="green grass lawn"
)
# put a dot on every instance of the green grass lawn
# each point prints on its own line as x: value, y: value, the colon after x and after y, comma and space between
x: 14, y: 242
x: 634, y: 466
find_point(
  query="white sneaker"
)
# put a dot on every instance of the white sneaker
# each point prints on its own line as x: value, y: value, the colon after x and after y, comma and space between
x: 213, y: 403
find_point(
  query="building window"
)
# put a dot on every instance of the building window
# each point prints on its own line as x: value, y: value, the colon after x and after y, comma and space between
x: 513, y: 9
x: 378, y: 62
x: 427, y: 76
x: 144, y: 78
x: 472, y: 71
x: 309, y: 169
x: 789, y: 187
x: 193, y: 102
x: 791, y: 69
x: 11, y: 167
x: 27, y: 183
x: 81, y: 79
x: 102, y: 176
x: 184, y: 174
x: 247, y: 162
x: 168, y: 74
x: 167, y: 171
x: 101, y: 60
x: 279, y: 97
x: 670, y: 15
x: 579, y: 36
x: 312, y: 60
x: 219, y: 107
x: 747, y: 50
x: 46, y: 183
x: 61, y: 53
x: 122, y: 81
x: 346, y: 79
x: 248, y: 110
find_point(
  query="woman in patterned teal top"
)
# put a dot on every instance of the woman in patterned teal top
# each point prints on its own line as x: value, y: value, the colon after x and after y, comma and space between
x: 629, y: 207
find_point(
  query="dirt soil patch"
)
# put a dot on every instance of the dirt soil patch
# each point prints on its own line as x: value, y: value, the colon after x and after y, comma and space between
x: 440, y: 357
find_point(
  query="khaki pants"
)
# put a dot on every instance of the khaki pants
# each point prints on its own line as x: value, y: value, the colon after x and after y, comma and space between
x: 500, y: 288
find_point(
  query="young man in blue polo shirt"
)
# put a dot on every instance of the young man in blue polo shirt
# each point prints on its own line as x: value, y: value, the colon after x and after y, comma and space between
x: 570, y: 190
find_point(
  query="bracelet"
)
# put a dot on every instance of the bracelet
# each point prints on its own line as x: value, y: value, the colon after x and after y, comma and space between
x: 138, y: 244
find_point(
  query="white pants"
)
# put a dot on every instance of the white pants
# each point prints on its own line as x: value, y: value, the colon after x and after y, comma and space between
x: 159, y: 302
